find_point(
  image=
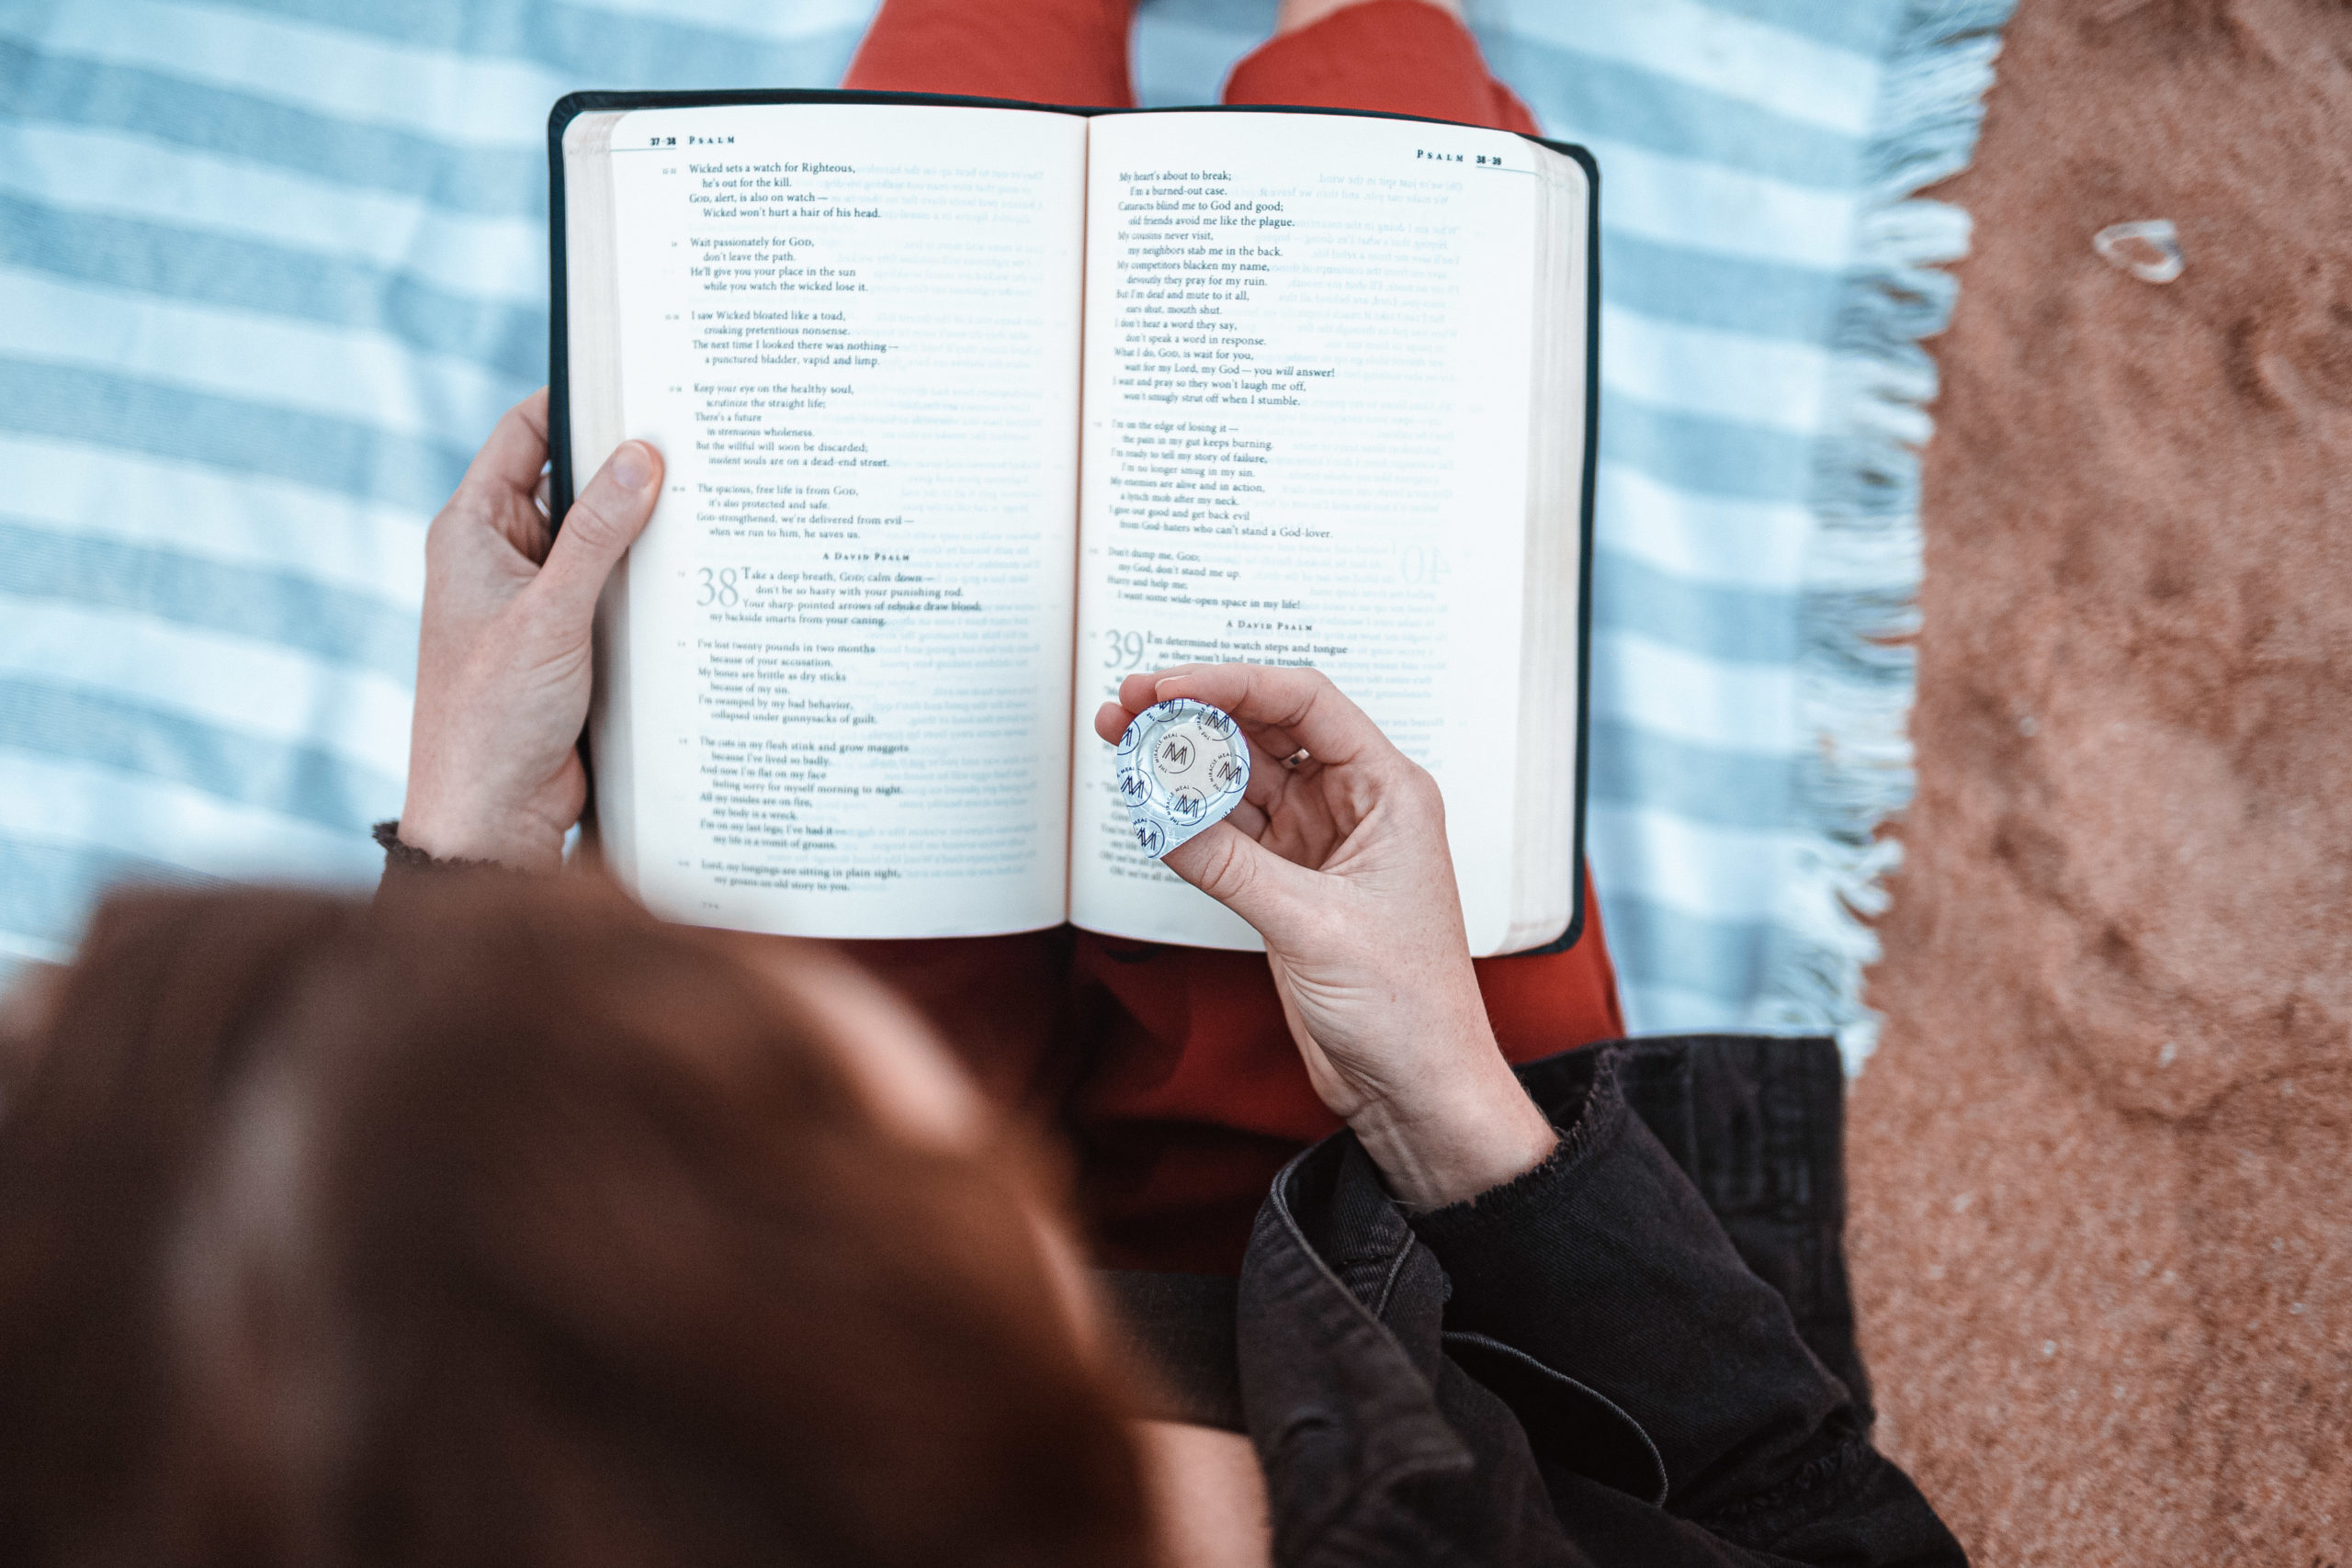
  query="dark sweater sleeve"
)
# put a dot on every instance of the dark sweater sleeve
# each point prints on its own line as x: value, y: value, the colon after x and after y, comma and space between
x: 1605, y: 1266
x: 405, y: 865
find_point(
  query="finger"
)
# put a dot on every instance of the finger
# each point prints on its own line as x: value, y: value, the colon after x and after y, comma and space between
x: 1135, y: 693
x: 1268, y: 777
x: 1300, y: 704
x: 601, y: 525
x: 1250, y: 818
x: 517, y: 449
x: 1111, y: 722
x: 1274, y: 894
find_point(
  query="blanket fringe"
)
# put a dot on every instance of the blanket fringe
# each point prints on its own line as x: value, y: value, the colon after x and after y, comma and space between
x: 1855, y: 667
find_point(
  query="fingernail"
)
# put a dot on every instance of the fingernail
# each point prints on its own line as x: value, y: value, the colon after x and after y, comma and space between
x: 633, y: 465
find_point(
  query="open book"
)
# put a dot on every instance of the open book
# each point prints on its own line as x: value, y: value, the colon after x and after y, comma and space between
x: 971, y: 409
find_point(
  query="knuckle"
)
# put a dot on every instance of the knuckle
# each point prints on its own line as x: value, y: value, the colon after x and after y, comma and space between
x: 1228, y: 874
x: 527, y: 621
x: 448, y: 528
x: 1416, y: 788
x: 589, y: 522
x: 1432, y: 798
x: 452, y: 541
x: 539, y: 623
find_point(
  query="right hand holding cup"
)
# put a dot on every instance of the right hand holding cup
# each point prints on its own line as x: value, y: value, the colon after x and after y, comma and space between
x: 1340, y: 863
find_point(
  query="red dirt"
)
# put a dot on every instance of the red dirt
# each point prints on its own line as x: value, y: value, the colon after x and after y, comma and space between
x: 2102, y: 1229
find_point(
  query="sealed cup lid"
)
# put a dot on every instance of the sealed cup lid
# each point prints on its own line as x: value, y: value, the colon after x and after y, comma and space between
x: 1182, y: 767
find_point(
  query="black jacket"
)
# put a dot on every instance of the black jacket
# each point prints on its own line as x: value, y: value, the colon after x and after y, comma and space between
x: 1640, y: 1352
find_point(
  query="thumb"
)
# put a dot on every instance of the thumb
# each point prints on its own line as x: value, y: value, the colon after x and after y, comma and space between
x: 607, y: 519
x: 1277, y: 897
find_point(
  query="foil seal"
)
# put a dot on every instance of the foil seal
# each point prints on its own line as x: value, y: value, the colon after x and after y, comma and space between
x: 1181, y: 769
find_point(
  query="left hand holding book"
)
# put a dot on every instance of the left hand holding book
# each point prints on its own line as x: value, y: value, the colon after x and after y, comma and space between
x: 502, y: 665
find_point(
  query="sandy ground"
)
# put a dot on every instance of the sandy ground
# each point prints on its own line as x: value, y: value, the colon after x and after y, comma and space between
x: 2102, y: 1230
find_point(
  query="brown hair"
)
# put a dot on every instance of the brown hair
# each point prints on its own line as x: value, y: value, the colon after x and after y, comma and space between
x: 503, y: 1224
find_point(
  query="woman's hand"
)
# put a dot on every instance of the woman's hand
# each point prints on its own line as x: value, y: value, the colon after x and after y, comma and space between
x: 502, y: 665
x: 1341, y: 865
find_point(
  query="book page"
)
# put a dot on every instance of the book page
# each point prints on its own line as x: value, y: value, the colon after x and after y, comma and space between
x: 1307, y: 439
x: 852, y: 331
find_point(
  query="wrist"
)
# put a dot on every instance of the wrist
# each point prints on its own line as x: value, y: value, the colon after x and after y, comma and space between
x: 1470, y: 1134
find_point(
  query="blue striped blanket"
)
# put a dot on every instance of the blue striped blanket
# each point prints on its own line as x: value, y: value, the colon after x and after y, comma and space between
x: 269, y: 270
